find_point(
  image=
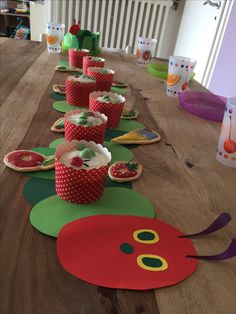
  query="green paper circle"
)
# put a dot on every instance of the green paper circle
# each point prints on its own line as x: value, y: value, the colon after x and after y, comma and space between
x: 63, y: 106
x: 118, y: 152
x: 129, y: 125
x: 51, y: 214
x: 37, y: 189
x: 44, y: 174
x: 118, y: 90
x: 57, y: 96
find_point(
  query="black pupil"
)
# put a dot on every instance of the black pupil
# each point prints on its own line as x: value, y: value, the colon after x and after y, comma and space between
x: 126, y: 248
x: 152, y: 262
x: 146, y: 236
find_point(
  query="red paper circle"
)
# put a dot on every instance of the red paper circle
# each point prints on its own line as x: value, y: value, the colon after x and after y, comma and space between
x: 90, y: 249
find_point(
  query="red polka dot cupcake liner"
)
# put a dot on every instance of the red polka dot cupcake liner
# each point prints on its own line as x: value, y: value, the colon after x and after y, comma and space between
x: 112, y: 111
x: 76, y: 57
x: 104, y: 80
x: 77, y: 93
x: 79, y: 186
x: 94, y: 133
x: 88, y: 62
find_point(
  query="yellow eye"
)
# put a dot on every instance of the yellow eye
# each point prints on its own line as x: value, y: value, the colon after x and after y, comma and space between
x: 147, y: 236
x: 152, y: 262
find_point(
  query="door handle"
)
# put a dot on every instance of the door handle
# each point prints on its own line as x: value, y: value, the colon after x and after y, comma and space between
x: 213, y: 4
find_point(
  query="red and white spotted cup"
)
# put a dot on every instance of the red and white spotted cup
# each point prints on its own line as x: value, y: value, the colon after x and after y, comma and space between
x: 78, y: 132
x: 112, y: 111
x: 89, y: 62
x: 104, y: 80
x: 76, y: 57
x: 80, y: 186
x: 77, y: 93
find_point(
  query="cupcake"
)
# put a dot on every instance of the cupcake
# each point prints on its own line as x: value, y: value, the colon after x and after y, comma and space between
x: 85, y: 125
x: 76, y: 57
x: 81, y: 169
x: 92, y: 62
x: 78, y: 89
x: 110, y: 104
x: 103, y: 76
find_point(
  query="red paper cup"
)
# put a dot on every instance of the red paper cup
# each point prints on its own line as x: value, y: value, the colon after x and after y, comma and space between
x: 112, y: 111
x: 89, y: 62
x: 80, y: 186
x: 76, y: 57
x: 104, y: 80
x: 94, y: 133
x: 77, y: 93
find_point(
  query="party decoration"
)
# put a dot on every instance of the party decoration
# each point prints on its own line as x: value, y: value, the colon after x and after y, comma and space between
x: 51, y: 214
x: 103, y: 77
x: 28, y: 161
x: 76, y: 57
x: 92, y: 62
x: 70, y: 41
x: 60, y: 89
x: 123, y: 171
x: 63, y: 106
x: 136, y: 253
x: 58, y: 126
x: 145, y: 50
x: 180, y: 71
x: 116, y: 83
x: 161, y: 70
x: 204, y: 105
x: 138, y: 136
x: 226, y: 151
x: 54, y: 36
x: 118, y: 152
x: 89, y: 41
x: 63, y: 68
x: 75, y: 27
x: 129, y: 114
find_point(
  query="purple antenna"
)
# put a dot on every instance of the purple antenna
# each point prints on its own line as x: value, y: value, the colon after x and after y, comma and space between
x: 228, y: 253
x: 217, y: 224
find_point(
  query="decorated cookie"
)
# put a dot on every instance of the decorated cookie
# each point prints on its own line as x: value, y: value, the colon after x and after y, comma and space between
x: 85, y: 125
x: 133, y: 252
x: 119, y: 84
x: 27, y: 160
x: 59, y: 89
x: 129, y: 114
x: 63, y: 68
x: 59, y: 126
x: 81, y: 169
x: 123, y: 171
x: 138, y: 136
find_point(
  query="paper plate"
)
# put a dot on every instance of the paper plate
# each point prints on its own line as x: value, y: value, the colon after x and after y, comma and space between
x: 204, y: 105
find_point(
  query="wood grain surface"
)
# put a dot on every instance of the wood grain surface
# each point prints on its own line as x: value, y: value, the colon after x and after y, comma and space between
x: 181, y: 177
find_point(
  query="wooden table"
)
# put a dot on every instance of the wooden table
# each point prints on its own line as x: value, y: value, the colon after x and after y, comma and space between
x: 186, y: 185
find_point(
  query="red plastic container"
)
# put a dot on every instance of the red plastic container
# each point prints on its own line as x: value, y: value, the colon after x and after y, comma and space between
x: 94, y: 133
x: 76, y: 57
x: 80, y: 186
x: 112, y: 111
x: 104, y: 80
x: 77, y: 93
x: 90, y: 62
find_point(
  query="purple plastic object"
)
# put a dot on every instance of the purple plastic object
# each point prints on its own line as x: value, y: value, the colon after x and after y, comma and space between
x: 217, y: 224
x: 228, y: 253
x: 204, y: 105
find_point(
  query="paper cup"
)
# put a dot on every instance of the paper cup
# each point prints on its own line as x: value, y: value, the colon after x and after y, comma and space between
x: 112, y: 111
x: 54, y: 36
x: 89, y: 62
x: 94, y: 133
x: 180, y: 71
x: 104, y: 80
x: 145, y: 50
x: 80, y: 186
x: 77, y: 93
x: 76, y: 57
x: 226, y: 150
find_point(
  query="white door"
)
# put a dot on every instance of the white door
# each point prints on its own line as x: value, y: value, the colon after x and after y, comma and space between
x: 198, y: 31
